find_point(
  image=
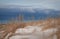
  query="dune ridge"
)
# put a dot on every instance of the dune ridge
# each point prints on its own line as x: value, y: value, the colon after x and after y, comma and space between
x: 13, y: 26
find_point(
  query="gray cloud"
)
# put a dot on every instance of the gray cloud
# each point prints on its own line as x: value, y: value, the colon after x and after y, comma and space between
x: 48, y: 4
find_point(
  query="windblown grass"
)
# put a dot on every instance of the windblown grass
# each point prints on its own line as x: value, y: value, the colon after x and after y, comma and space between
x: 12, y: 26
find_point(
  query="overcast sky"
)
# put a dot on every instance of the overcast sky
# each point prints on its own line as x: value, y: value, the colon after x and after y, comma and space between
x: 51, y: 4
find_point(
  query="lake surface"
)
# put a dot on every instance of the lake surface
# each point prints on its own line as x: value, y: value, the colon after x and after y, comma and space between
x: 7, y: 14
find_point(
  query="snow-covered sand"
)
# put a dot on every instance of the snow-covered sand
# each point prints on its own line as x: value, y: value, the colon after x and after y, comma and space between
x: 34, y: 32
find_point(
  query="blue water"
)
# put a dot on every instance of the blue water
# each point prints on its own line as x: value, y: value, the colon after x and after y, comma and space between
x: 8, y: 14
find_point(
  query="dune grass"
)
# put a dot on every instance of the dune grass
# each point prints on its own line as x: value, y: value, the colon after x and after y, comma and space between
x: 12, y: 26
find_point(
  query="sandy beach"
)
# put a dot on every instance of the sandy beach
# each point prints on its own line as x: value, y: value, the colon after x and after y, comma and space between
x: 47, y: 29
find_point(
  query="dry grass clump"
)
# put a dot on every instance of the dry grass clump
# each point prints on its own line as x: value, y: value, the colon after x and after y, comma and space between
x: 53, y: 23
x: 11, y: 27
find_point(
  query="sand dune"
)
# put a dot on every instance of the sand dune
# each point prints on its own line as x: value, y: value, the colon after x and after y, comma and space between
x: 44, y: 29
x: 34, y: 32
